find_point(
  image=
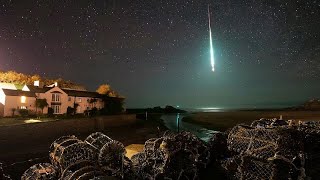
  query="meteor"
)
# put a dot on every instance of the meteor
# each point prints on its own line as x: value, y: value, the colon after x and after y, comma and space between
x: 211, y: 45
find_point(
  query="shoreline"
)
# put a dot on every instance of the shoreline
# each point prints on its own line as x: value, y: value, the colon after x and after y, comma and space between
x: 223, y: 120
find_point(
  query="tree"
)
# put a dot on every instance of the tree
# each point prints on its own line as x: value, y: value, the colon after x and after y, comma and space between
x: 41, y: 103
x: 75, y: 106
x: 112, y: 105
x: 20, y: 78
x: 92, y: 102
x: 13, y: 110
x: 103, y: 89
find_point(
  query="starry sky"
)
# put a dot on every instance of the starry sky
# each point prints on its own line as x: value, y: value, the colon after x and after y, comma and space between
x: 156, y: 52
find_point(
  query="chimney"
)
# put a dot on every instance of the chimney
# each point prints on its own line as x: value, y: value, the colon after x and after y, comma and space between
x: 36, y: 83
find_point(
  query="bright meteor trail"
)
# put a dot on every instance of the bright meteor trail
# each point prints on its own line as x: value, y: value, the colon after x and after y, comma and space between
x: 211, y: 45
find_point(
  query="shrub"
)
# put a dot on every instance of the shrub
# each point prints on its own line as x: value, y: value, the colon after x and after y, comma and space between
x: 50, y: 112
x: 24, y: 112
x: 70, y: 111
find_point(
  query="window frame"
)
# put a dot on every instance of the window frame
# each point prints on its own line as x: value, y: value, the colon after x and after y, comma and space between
x: 56, y: 97
x: 56, y: 109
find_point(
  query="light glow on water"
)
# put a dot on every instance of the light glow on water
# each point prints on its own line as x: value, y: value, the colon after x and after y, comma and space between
x: 211, y: 109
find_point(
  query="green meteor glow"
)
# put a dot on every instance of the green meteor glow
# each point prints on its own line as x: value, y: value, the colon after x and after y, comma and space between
x: 211, y: 44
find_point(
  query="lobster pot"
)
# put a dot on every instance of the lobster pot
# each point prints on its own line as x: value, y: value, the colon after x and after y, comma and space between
x: 141, y: 166
x: 312, y: 153
x: 217, y: 145
x: 111, y: 153
x: 250, y: 168
x: 111, y: 158
x: 42, y: 171
x: 187, y: 140
x: 152, y: 145
x: 180, y: 165
x: 264, y: 143
x: 2, y: 175
x: 174, y: 156
x: 199, y: 148
x: 68, y: 150
x: 81, y: 170
x: 98, y: 140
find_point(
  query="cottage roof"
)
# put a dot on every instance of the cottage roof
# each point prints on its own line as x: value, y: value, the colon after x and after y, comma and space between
x: 10, y: 92
x: 38, y: 89
x: 82, y: 93
x: 35, y: 89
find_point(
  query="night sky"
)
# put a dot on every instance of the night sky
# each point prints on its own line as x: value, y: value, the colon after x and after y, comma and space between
x: 156, y: 52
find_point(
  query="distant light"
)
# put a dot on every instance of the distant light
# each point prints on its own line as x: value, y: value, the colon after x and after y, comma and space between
x: 178, y: 106
x: 209, y: 108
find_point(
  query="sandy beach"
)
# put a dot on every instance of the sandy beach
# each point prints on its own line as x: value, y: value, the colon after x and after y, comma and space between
x: 222, y: 121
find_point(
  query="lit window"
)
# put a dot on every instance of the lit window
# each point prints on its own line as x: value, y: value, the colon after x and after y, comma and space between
x: 79, y: 99
x: 23, y: 107
x: 55, y: 97
x: 23, y: 99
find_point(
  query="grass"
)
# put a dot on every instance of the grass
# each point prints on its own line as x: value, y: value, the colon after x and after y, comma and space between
x: 221, y: 121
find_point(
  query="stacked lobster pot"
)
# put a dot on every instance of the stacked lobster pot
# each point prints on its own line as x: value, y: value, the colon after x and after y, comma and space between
x: 83, y: 169
x: 311, y: 139
x: 68, y: 150
x: 272, y: 149
x: 111, y: 155
x: 95, y: 158
x: 41, y: 171
x: 3, y: 176
x: 173, y: 156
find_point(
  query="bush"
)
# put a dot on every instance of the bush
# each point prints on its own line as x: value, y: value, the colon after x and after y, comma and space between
x: 24, y: 112
x: 112, y: 106
x: 50, y: 112
x: 93, y: 111
x: 70, y: 111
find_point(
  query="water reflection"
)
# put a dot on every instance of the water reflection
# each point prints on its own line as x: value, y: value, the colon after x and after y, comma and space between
x: 174, y: 123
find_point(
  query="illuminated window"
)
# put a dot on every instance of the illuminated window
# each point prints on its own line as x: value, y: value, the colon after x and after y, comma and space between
x: 23, y: 99
x: 79, y: 100
x: 55, y: 97
x: 23, y: 107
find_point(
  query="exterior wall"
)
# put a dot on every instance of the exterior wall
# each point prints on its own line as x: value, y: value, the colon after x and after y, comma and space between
x: 9, y: 102
x: 84, y: 103
x: 15, y: 102
x: 2, y: 102
x: 1, y: 110
x: 63, y: 99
